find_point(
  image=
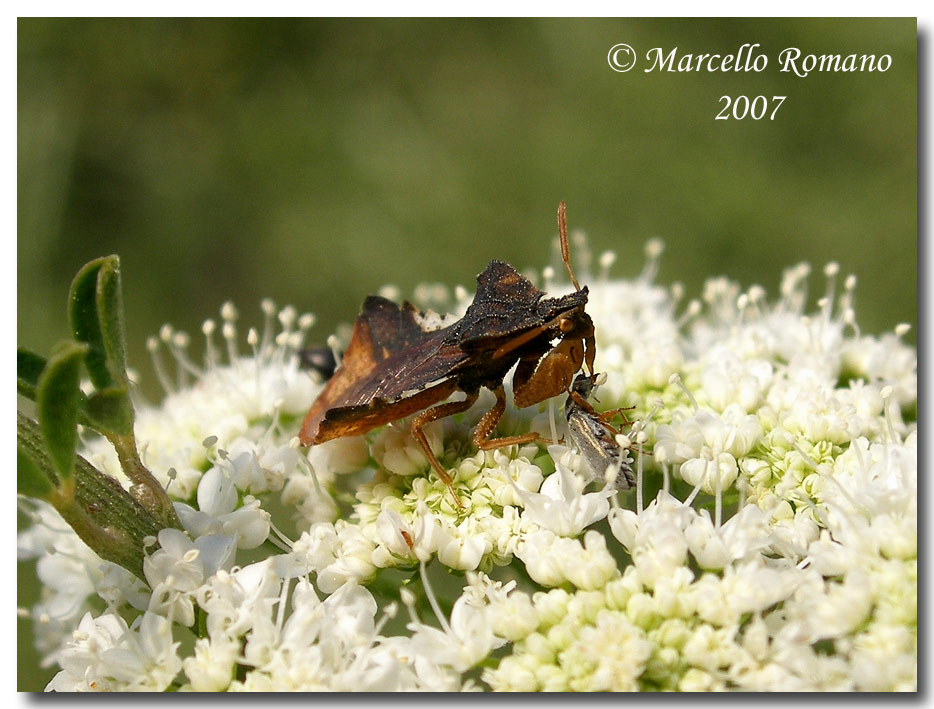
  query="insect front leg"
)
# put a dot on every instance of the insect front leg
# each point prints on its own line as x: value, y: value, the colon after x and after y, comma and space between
x: 607, y: 416
x: 534, y: 381
x: 433, y: 414
x: 590, y: 345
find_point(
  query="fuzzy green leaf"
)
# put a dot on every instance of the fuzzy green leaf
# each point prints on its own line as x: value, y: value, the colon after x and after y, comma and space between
x: 110, y: 410
x: 58, y: 398
x: 110, y: 314
x: 29, y: 366
x: 30, y: 478
x: 86, y: 324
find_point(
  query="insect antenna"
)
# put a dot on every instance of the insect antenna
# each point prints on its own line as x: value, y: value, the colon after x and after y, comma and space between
x: 565, y: 250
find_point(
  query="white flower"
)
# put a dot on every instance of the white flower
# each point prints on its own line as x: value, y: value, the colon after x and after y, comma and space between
x: 339, y: 456
x: 733, y: 432
x: 808, y: 406
x: 744, y: 534
x: 469, y: 639
x: 886, y: 359
x: 400, y: 540
x: 460, y: 547
x: 561, y: 505
x: 513, y: 617
x: 551, y: 560
x: 83, y: 667
x: 71, y: 575
x: 306, y: 493
x: 106, y: 655
x: 235, y: 601
x: 885, y: 659
x: 249, y: 524
x: 672, y: 594
x: 655, y: 538
x: 745, y: 588
x: 839, y: 610
x: 713, y: 473
x: 211, y: 668
x: 338, y: 552
x: 525, y: 477
x: 779, y: 553
x: 608, y: 656
x: 710, y: 648
x: 397, y: 539
x: 179, y: 567
x: 259, y: 468
x: 399, y: 453
x: 727, y: 380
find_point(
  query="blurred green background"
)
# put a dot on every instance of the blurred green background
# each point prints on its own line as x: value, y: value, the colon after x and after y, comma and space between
x: 316, y: 161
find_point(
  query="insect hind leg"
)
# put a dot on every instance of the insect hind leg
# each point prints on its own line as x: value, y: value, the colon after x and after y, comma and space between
x: 484, y: 429
x: 433, y: 414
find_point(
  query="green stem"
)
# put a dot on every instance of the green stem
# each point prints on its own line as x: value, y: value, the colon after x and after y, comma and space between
x: 146, y: 490
x: 101, y: 512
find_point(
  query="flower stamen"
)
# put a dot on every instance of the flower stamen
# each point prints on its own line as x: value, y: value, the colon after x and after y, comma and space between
x: 692, y: 311
x: 230, y: 314
x: 893, y: 438
x: 676, y: 379
x: 653, y: 250
x: 280, y: 539
x: 607, y: 259
x: 152, y: 344
x: 268, y: 306
x: 641, y: 438
x: 210, y: 351
x: 548, y: 276
x: 178, y: 345
x: 430, y: 595
x: 830, y: 271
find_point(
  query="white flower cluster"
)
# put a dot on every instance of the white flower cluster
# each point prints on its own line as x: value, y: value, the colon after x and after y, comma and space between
x: 777, y: 450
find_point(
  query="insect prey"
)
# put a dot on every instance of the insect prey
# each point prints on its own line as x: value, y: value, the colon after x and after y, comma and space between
x: 397, y: 365
x: 594, y: 436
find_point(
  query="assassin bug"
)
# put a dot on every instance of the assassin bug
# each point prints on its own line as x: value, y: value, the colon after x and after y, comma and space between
x: 396, y: 364
x: 593, y: 434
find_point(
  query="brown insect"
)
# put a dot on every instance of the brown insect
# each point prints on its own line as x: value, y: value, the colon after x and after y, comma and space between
x: 395, y: 365
x: 594, y: 435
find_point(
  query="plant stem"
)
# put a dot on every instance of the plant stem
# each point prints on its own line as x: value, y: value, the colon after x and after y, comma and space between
x: 104, y: 515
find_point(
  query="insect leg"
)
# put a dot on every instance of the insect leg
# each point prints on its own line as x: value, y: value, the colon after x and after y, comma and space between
x: 608, y: 416
x: 534, y: 381
x: 484, y: 429
x: 433, y: 414
x: 582, y: 402
x: 590, y: 345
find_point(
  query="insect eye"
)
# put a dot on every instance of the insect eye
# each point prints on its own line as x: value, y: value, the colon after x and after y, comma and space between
x: 565, y: 325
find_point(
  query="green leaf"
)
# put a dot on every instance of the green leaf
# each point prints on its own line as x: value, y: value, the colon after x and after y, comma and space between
x: 30, y: 479
x: 96, y: 313
x: 58, y: 397
x: 29, y: 366
x: 110, y: 314
x: 86, y: 324
x: 110, y: 411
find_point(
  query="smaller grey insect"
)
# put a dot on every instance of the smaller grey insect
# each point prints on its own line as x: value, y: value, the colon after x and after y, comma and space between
x: 594, y: 436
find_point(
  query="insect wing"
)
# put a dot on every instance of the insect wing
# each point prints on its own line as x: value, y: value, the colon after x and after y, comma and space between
x: 392, y: 367
x: 598, y: 448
